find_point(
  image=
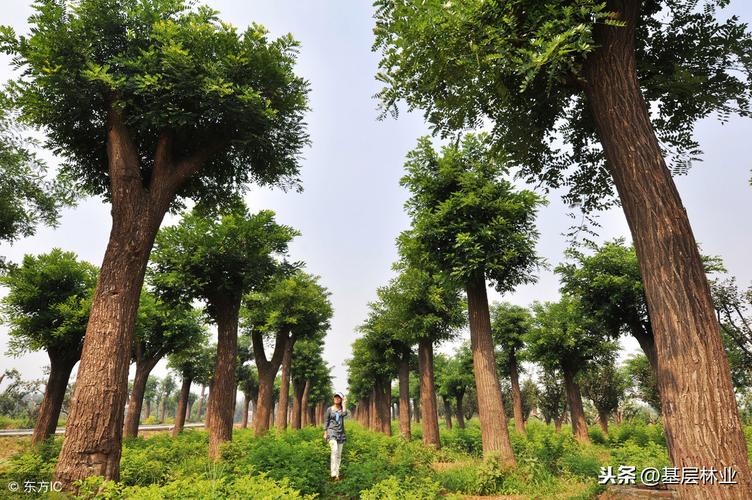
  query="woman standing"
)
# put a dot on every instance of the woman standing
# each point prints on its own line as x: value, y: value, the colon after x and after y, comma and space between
x: 334, y: 431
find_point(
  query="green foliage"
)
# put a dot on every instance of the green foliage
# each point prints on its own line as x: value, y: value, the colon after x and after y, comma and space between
x: 468, y: 219
x: 521, y: 66
x: 409, y: 488
x: 26, y: 197
x: 605, y: 384
x: 646, y: 386
x: 509, y: 324
x: 48, y: 302
x: 176, y: 73
x: 217, y: 257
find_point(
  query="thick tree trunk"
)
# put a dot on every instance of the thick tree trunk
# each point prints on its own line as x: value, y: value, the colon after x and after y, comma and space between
x: 603, y: 420
x: 416, y: 410
x: 320, y: 409
x: 428, y: 394
x: 384, y: 394
x: 267, y: 370
x: 284, y: 385
x: 447, y: 412
x: 185, y: 391
x: 699, y: 409
x: 460, y: 410
x: 188, y: 411
x: 221, y: 407
x: 519, y: 421
x: 365, y: 412
x: 404, y: 396
x: 304, y: 405
x: 574, y: 398
x: 493, y: 420
x: 557, y: 423
x: 54, y: 395
x: 644, y: 336
x: 372, y: 410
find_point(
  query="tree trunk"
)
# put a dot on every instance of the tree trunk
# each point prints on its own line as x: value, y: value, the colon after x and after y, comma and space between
x: 699, y: 409
x: 493, y: 420
x: 460, y: 410
x: 284, y: 385
x: 404, y: 396
x: 188, y: 411
x: 365, y: 412
x: 162, y: 408
x: 384, y: 399
x: 221, y: 407
x: 304, y: 404
x: 519, y: 421
x: 54, y: 395
x: 447, y: 412
x: 185, y: 391
x: 372, y: 412
x: 416, y: 410
x: 201, y: 402
x: 147, y: 413
x: 296, y: 422
x: 557, y: 423
x: 574, y: 398
x: 645, y: 338
x: 603, y: 420
x: 428, y: 394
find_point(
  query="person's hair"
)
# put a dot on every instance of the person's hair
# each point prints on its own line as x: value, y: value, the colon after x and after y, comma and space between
x: 340, y: 401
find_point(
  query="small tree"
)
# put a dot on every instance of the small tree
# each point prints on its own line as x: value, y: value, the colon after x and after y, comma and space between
x: 529, y: 396
x: 472, y: 224
x: 161, y: 329
x: 149, y: 103
x: 552, y: 397
x: 639, y: 370
x: 190, y: 362
x: 562, y: 338
x: 164, y: 391
x: 150, y: 394
x: 605, y: 385
x: 509, y: 324
x: 305, y: 367
x: 47, y: 307
x: 218, y: 258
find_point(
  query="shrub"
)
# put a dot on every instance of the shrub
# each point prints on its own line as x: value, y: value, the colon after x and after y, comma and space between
x: 409, y: 488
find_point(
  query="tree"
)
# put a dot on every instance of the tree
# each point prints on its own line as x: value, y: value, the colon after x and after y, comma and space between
x: 605, y: 385
x: 732, y: 307
x: 219, y: 257
x: 609, y: 286
x: 47, y: 307
x: 639, y: 370
x: 190, y: 362
x: 26, y: 197
x: 150, y: 393
x: 552, y: 397
x: 622, y: 82
x: 563, y: 338
x: 305, y: 368
x: 474, y: 226
x: 509, y: 323
x: 293, y: 307
x: 457, y: 380
x: 149, y: 102
x: 529, y: 396
x: 161, y: 329
x: 248, y: 383
x: 164, y: 391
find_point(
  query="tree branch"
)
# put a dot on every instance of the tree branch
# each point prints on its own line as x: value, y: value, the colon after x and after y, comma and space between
x: 123, y: 163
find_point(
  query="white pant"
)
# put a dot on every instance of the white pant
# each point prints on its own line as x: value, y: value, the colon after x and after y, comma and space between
x: 336, y: 456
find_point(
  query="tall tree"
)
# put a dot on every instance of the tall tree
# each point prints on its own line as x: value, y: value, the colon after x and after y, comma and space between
x: 306, y: 362
x: 47, y: 307
x: 192, y: 361
x: 563, y: 338
x: 148, y: 102
x: 623, y: 82
x: 161, y: 329
x: 472, y: 223
x: 457, y: 380
x: 218, y: 258
x: 509, y: 323
x: 295, y: 306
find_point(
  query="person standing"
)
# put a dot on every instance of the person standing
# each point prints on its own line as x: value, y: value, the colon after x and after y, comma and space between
x: 334, y: 431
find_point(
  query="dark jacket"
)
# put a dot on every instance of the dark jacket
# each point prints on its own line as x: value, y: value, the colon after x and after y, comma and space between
x: 334, y: 424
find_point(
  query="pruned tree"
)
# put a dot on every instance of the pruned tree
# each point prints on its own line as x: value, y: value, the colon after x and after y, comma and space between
x: 622, y: 83
x: 218, y: 258
x: 46, y: 308
x: 192, y: 361
x: 606, y: 386
x: 148, y: 103
x: 472, y: 224
x: 164, y: 391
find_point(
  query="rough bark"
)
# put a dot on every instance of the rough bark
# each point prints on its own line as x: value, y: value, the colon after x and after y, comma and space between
x: 519, y: 421
x: 428, y: 394
x: 267, y: 370
x: 404, y: 396
x: 284, y: 385
x: 144, y: 366
x: 574, y: 400
x: 493, y: 420
x: 221, y: 406
x: 185, y: 391
x: 699, y: 409
x: 54, y: 395
x: 93, y: 433
x: 296, y: 422
x: 383, y: 402
x: 460, y: 411
x: 416, y: 410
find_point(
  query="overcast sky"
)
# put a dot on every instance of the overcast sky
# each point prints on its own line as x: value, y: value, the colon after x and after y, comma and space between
x: 352, y: 205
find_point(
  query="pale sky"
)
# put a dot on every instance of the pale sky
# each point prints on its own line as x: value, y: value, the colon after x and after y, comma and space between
x: 352, y: 205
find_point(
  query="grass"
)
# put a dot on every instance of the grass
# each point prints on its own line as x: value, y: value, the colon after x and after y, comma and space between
x: 294, y: 464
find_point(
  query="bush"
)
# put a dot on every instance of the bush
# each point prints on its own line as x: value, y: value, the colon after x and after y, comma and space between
x: 403, y: 489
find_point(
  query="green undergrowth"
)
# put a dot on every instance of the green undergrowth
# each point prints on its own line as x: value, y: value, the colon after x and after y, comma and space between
x: 295, y: 464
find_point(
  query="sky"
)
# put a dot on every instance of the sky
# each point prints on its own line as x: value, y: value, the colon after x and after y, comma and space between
x: 351, y: 208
